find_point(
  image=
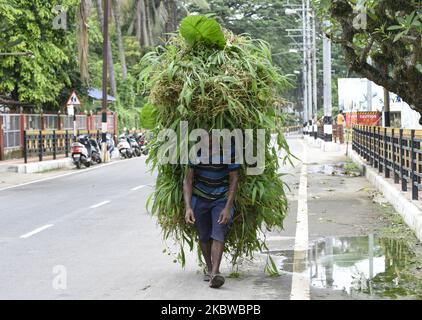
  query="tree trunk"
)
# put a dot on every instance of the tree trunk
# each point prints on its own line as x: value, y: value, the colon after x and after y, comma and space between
x: 116, y: 11
x: 82, y: 17
x: 149, y: 21
x: 109, y: 54
x: 171, y: 24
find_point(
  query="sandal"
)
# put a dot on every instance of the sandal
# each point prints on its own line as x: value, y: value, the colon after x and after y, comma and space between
x: 207, y: 277
x: 217, y: 281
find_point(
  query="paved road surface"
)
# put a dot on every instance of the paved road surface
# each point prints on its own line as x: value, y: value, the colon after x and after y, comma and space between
x: 93, y: 228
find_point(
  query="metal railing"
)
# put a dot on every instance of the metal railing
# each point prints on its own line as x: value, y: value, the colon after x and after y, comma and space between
x: 51, y: 142
x: 394, y: 152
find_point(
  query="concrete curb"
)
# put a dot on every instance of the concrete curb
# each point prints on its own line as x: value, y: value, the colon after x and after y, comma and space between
x: 38, y: 167
x: 411, y: 213
x: 323, y: 145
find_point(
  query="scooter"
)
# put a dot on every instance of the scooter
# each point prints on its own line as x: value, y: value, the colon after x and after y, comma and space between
x: 82, y: 152
x: 140, y: 138
x: 125, y: 149
x: 135, y: 146
x: 109, y: 143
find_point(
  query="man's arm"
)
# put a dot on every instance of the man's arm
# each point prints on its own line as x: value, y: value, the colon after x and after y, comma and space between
x: 225, y: 214
x: 187, y: 195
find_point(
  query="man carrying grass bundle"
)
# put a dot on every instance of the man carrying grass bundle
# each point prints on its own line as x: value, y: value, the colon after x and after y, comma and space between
x: 209, y: 190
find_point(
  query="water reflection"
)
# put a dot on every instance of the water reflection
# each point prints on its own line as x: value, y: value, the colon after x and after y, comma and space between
x: 356, y: 265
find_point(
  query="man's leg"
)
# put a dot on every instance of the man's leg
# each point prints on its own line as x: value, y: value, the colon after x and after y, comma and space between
x: 217, y: 250
x: 202, y: 211
x: 206, y: 252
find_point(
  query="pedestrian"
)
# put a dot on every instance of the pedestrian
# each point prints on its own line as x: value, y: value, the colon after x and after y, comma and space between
x: 209, y: 191
x: 340, y: 122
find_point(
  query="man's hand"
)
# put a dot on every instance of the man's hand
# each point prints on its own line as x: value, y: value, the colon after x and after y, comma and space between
x: 189, y: 216
x: 224, y: 216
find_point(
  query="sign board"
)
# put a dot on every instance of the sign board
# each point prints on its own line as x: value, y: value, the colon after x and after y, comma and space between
x: 70, y: 110
x: 73, y: 99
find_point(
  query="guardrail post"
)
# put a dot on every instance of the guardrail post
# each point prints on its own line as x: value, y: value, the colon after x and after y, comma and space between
x: 66, y: 143
x: 413, y: 166
x: 54, y: 144
x: 379, y: 149
x: 402, y: 175
x: 393, y: 148
x: 25, y: 151
x: 371, y: 147
x: 1, y: 138
x: 385, y: 155
x: 40, y: 146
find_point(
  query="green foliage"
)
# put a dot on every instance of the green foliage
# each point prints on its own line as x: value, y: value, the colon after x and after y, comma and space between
x: 216, y: 89
x: 148, y: 117
x: 200, y: 29
x: 40, y: 79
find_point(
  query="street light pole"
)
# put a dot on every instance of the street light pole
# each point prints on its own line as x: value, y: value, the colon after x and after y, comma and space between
x: 328, y: 119
x: 314, y: 71
x: 305, y: 71
x: 104, y: 153
x: 309, y: 63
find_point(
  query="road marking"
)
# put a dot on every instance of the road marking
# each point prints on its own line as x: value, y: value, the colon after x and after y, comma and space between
x: 29, y: 234
x: 138, y: 187
x: 85, y: 170
x: 99, y: 204
x: 300, y: 280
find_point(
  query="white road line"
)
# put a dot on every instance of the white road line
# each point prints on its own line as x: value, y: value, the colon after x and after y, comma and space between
x: 138, y: 187
x: 27, y: 235
x: 66, y: 174
x: 99, y: 204
x: 300, y: 280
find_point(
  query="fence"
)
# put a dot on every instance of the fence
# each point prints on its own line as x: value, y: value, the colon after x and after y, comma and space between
x: 52, y: 142
x: 394, y: 152
x: 12, y: 127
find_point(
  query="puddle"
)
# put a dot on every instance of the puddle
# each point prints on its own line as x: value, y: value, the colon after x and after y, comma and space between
x: 342, y: 168
x: 358, y: 265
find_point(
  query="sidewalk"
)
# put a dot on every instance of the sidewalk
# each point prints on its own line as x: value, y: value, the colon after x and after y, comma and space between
x: 36, y: 166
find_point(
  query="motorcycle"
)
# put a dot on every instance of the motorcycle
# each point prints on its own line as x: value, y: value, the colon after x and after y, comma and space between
x: 85, y: 151
x: 135, y: 146
x: 109, y: 142
x: 142, y: 142
x: 124, y: 147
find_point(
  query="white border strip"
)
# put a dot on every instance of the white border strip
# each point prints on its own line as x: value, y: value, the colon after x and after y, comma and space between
x: 300, y: 281
x: 29, y: 234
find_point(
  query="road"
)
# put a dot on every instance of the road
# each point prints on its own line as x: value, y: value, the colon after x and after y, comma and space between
x: 88, y: 235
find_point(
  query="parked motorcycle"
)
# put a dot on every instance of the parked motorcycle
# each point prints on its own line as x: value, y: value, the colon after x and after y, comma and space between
x: 109, y: 142
x: 135, y: 146
x: 142, y: 142
x: 124, y: 147
x: 85, y: 151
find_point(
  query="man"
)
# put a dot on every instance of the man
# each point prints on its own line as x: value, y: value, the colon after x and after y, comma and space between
x: 209, y: 192
x: 340, y: 118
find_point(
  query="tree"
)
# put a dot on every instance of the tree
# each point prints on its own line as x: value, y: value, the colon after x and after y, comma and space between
x: 109, y: 52
x: 118, y: 23
x: 82, y: 16
x: 27, y: 27
x: 388, y: 31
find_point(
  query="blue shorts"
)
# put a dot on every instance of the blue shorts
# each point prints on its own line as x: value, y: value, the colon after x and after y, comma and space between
x: 206, y: 214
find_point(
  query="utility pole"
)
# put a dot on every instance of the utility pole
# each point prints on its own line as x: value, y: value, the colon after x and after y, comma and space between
x: 314, y: 72
x: 305, y: 70
x: 328, y: 115
x: 309, y: 63
x: 104, y: 153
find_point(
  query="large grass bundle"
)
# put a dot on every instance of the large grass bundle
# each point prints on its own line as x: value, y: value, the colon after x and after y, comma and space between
x: 214, y: 79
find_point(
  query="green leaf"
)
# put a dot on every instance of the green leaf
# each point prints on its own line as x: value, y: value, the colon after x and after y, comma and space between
x: 200, y: 29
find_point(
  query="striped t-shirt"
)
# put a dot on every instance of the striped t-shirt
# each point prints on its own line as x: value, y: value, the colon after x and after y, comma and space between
x: 211, y: 181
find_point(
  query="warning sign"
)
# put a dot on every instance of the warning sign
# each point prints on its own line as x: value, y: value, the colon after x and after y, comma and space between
x: 73, y: 99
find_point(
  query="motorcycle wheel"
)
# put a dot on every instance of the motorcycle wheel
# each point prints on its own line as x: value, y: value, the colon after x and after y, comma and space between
x: 138, y: 152
x: 98, y: 160
x: 78, y: 164
x: 87, y: 164
x: 129, y: 155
